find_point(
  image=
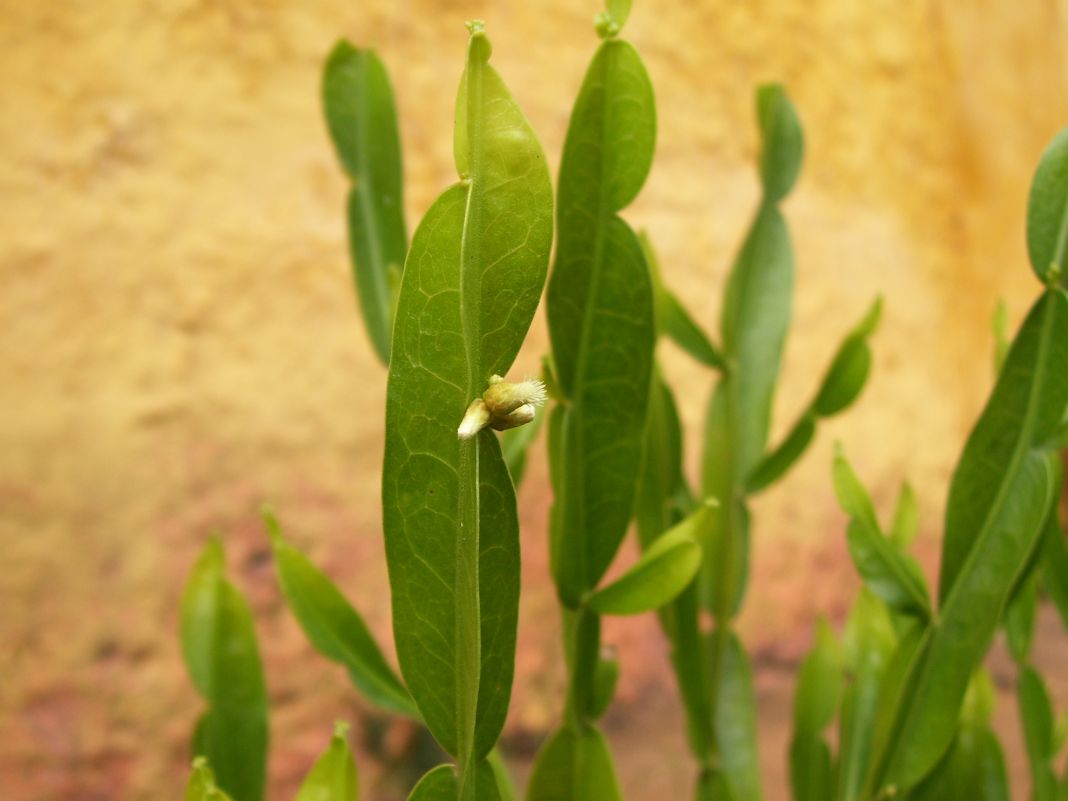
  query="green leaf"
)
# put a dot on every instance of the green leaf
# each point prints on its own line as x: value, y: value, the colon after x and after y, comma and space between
x: 515, y: 442
x: 1020, y: 617
x: 1054, y: 564
x: 999, y: 325
x: 974, y: 769
x: 980, y: 698
x: 906, y: 522
x: 661, y: 472
x: 335, y: 629
x: 471, y: 284
x: 440, y: 784
x: 605, y: 679
x: 362, y: 120
x: 922, y: 726
x: 672, y: 319
x: 333, y: 777
x: 1027, y: 403
x: 811, y: 772
x: 690, y: 659
x: 888, y: 572
x: 784, y: 143
x: 619, y: 11
x: 222, y: 656
x: 1047, y: 213
x: 1036, y: 716
x: 819, y: 682
x: 503, y: 779
x: 736, y: 723
x: 574, y: 765
x: 868, y: 646
x: 201, y: 786
x: 601, y: 321
x: 662, y: 572
x: 849, y: 369
x: 775, y: 464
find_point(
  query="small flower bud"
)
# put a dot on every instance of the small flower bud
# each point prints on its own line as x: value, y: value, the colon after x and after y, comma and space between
x: 476, y: 418
x: 518, y: 417
x: 502, y: 398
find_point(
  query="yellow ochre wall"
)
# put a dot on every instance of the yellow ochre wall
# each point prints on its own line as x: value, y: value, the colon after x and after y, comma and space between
x: 180, y: 340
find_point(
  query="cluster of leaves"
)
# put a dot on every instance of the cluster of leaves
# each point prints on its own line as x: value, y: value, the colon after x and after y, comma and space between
x: 448, y: 315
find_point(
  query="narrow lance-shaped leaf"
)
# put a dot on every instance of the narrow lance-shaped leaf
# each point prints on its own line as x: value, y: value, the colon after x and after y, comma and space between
x: 336, y: 629
x: 661, y: 470
x: 819, y: 686
x: 221, y: 653
x: 600, y: 309
x: 362, y: 119
x: 333, y: 777
x: 1036, y: 717
x: 841, y: 385
x: 1020, y: 617
x: 1001, y: 493
x: 1047, y: 213
x: 672, y: 319
x: 201, y: 785
x: 471, y: 284
x: 574, y: 764
x: 663, y: 571
x: 886, y: 570
x: 736, y: 724
x: 1054, y: 562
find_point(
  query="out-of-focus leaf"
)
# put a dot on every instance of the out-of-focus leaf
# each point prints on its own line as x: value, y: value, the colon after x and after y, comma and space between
x: 906, y: 522
x: 888, y: 572
x: 201, y: 786
x: 515, y: 442
x: 775, y: 464
x: 811, y: 772
x: 505, y: 786
x: 332, y: 625
x: 362, y: 119
x: 574, y: 765
x: 973, y: 770
x: 999, y: 324
x: 605, y: 679
x: 783, y: 141
x: 472, y: 281
x: 846, y: 376
x: 221, y: 653
x: 618, y: 10
x: 819, y: 682
x: 1047, y: 212
x: 333, y: 777
x: 736, y: 722
x: 663, y: 571
x: 1054, y: 564
x: 600, y: 307
x: 1036, y: 717
x: 661, y: 472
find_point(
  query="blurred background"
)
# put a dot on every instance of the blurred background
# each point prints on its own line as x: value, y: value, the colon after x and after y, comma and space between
x: 182, y: 344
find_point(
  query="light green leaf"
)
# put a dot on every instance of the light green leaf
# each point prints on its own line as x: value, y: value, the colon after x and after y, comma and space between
x: 662, y: 572
x: 503, y: 779
x: 888, y: 572
x: 335, y: 629
x: 999, y: 324
x: 672, y: 319
x: 619, y: 11
x: 906, y: 523
x: 201, y: 786
x: 333, y: 777
x: 980, y: 698
x: 601, y: 320
x: 736, y: 723
x: 775, y: 463
x: 222, y: 656
x: 1047, y: 213
x: 784, y: 142
x: 819, y: 682
x: 471, y: 284
x: 440, y: 784
x: 362, y: 120
x: 574, y: 765
x: 849, y: 369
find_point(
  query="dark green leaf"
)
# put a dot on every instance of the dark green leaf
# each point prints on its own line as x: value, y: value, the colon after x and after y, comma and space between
x: 906, y: 522
x: 600, y: 309
x: 888, y: 572
x: 605, y: 679
x: 1054, y: 564
x: 784, y: 144
x: 221, y: 653
x: 333, y: 777
x: 690, y: 659
x: 201, y: 786
x: 335, y: 629
x: 661, y: 573
x: 1020, y: 617
x: 845, y: 377
x: 811, y: 774
x: 1047, y: 212
x: 775, y: 464
x: 1036, y: 717
x: 574, y: 765
x: 362, y: 119
x: 736, y: 723
x: 471, y: 284
x: 661, y: 472
x: 1026, y: 405
x: 973, y: 770
x: 819, y: 682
